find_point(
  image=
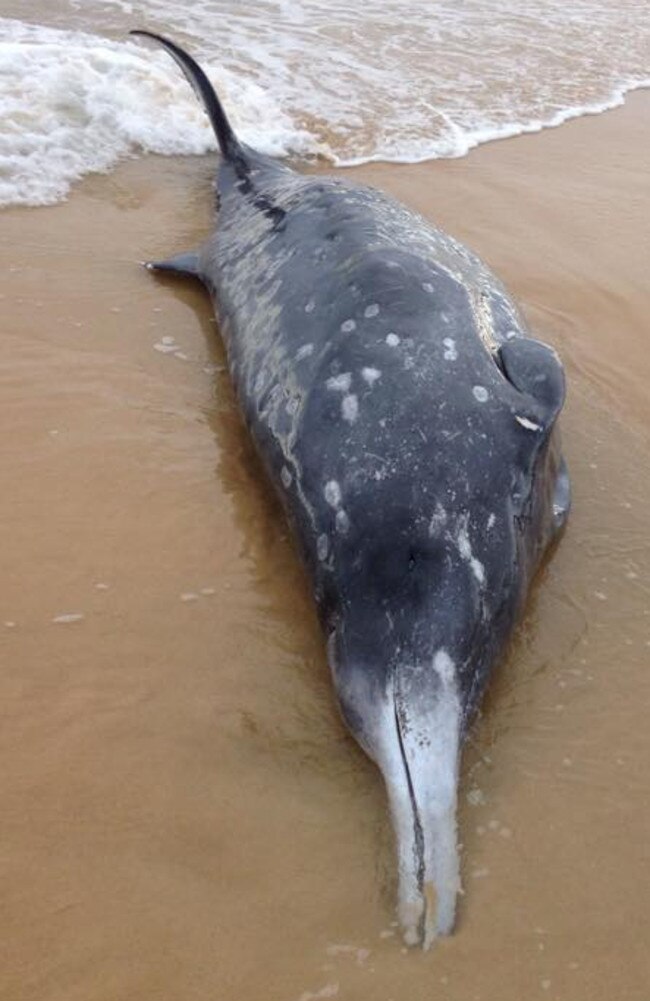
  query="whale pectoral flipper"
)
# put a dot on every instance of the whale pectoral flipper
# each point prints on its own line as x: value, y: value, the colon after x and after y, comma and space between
x: 181, y: 264
x: 534, y: 369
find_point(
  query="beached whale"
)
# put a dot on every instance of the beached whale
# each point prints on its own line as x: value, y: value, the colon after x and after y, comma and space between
x: 408, y: 423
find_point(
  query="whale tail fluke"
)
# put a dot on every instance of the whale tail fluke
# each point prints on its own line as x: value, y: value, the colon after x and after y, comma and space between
x: 229, y: 144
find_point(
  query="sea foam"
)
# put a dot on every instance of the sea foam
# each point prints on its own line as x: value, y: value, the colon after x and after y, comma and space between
x: 397, y: 80
x: 72, y: 103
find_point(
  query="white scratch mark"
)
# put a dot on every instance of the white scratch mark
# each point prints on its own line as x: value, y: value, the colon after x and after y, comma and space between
x: 450, y: 353
x: 465, y: 550
x: 322, y: 547
x: 350, y: 408
x: 304, y: 351
x: 370, y: 375
x: 286, y: 477
x: 438, y: 520
x: 342, y: 522
x: 444, y: 666
x: 332, y: 493
x: 526, y: 423
x: 340, y: 383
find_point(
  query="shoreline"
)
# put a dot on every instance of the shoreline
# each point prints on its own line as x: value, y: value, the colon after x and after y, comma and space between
x: 180, y: 794
x: 618, y: 98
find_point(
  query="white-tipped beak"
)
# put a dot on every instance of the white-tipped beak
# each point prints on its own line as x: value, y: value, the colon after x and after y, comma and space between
x: 419, y: 760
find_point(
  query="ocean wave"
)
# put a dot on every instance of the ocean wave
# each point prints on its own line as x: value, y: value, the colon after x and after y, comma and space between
x: 308, y: 78
x: 460, y: 142
x: 72, y: 103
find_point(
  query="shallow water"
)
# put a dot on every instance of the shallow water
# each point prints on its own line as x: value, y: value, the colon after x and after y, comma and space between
x: 184, y: 815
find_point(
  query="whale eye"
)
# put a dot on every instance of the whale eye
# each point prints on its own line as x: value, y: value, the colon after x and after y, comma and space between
x: 411, y: 563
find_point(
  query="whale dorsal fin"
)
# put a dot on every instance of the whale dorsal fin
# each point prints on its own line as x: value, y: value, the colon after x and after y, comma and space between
x: 535, y: 370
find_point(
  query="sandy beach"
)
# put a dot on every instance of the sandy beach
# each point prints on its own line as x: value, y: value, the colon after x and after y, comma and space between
x: 184, y: 815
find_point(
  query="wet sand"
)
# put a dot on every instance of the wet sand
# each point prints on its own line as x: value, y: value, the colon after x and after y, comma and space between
x: 183, y: 814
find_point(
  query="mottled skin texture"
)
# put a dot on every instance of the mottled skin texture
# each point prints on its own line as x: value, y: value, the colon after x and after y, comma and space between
x: 435, y: 448
x: 408, y: 424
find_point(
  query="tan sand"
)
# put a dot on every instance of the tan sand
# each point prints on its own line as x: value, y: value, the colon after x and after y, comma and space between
x: 183, y: 814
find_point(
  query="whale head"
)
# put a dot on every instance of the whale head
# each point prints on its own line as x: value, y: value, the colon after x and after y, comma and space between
x: 418, y: 625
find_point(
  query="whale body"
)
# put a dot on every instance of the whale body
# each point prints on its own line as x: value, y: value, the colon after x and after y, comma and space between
x: 407, y: 420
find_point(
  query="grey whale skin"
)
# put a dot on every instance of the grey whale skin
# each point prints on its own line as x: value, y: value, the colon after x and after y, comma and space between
x: 407, y: 421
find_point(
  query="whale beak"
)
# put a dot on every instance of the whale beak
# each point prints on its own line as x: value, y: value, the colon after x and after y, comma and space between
x: 418, y: 756
x: 411, y: 728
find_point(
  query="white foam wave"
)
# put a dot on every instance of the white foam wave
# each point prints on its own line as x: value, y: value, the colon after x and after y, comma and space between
x: 72, y: 103
x: 353, y: 83
x: 459, y: 143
